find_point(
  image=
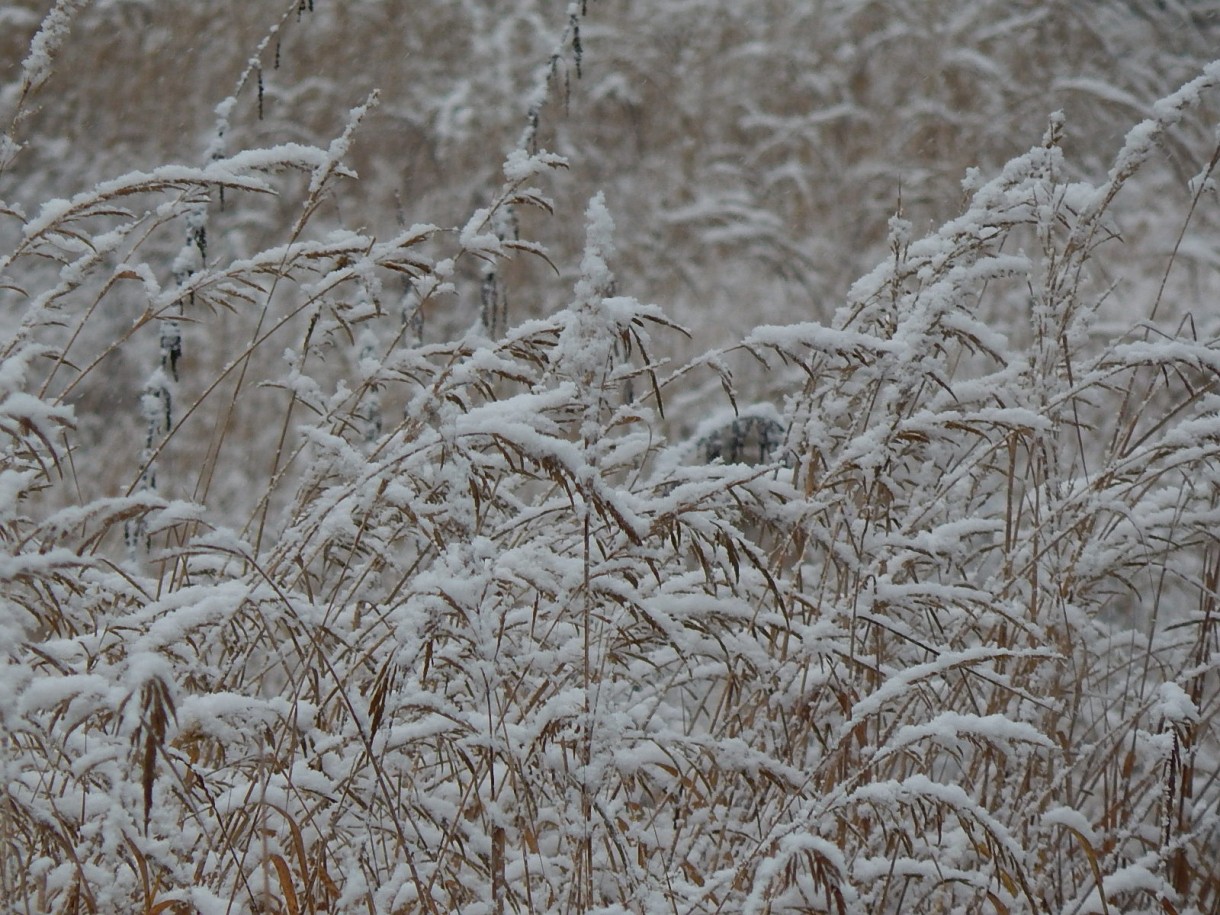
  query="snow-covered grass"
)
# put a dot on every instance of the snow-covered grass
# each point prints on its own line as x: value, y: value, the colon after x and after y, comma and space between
x: 352, y: 616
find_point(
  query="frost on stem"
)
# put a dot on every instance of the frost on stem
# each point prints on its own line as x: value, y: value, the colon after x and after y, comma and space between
x: 339, y: 147
x: 601, y: 330
x: 538, y: 97
x: 585, y: 348
x: 369, y: 411
x: 189, y: 261
x: 411, y: 310
x: 156, y: 409
x: 46, y: 44
x: 493, y: 298
x: 156, y: 400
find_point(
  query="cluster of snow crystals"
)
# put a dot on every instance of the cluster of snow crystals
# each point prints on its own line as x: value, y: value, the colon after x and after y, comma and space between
x: 586, y: 347
x: 47, y: 41
x: 521, y: 166
x: 1173, y: 705
x: 337, y: 151
x: 475, y: 236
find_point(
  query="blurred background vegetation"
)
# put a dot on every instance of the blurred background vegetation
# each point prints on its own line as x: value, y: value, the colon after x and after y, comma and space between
x: 751, y: 154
